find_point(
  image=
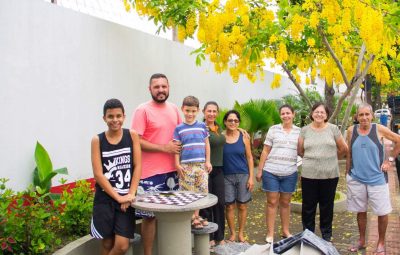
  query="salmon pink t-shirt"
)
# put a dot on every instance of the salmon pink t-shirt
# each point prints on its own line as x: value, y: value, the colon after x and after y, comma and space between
x: 155, y: 123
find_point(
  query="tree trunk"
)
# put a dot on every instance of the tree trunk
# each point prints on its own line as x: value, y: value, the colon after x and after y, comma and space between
x: 349, y: 106
x: 368, y: 90
x: 175, y: 34
x: 378, y: 97
x: 329, y: 94
x: 297, y: 85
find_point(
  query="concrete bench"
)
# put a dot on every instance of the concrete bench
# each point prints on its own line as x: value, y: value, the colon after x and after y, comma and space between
x: 202, y: 238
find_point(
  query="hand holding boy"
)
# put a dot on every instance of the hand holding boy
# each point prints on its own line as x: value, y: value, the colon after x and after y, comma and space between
x: 179, y: 169
x: 173, y: 147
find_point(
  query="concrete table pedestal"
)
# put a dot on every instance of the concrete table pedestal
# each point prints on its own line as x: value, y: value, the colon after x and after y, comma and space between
x: 172, y: 229
x: 173, y: 223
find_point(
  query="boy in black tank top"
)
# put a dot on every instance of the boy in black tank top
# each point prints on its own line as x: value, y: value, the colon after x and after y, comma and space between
x: 116, y: 162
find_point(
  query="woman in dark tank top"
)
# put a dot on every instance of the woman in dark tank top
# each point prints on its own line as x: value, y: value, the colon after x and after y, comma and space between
x: 238, y: 174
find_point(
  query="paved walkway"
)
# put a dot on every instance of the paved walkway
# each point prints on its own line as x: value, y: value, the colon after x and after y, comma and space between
x: 393, y: 230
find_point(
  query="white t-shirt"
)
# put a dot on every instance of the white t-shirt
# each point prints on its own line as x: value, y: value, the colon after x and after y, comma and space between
x: 282, y: 159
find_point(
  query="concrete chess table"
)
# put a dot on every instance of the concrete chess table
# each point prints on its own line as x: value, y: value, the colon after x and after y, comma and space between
x: 173, y: 222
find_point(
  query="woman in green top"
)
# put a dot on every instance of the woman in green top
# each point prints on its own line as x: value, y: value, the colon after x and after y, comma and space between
x: 320, y: 144
x: 215, y: 213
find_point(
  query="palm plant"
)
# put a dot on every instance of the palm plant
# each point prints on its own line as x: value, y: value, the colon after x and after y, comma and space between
x: 257, y: 116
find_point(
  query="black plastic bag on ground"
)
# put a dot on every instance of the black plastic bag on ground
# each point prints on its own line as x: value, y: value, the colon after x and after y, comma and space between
x: 306, y: 237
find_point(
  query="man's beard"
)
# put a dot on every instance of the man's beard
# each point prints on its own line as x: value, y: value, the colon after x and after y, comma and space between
x: 160, y: 100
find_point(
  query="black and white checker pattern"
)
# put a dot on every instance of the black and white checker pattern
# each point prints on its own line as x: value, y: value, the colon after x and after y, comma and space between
x: 172, y: 198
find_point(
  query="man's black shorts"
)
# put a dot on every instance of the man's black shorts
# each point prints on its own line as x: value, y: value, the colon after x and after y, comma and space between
x: 109, y: 220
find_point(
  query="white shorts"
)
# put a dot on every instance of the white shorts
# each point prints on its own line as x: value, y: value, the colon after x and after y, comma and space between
x: 359, y: 195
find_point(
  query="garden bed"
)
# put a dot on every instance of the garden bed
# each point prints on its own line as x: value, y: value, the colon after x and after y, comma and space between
x: 340, y: 204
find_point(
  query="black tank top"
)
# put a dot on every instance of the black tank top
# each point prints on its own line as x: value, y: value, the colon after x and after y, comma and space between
x: 117, y: 163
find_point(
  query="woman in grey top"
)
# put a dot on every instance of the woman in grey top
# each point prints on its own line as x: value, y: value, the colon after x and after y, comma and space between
x: 278, y: 170
x: 320, y: 144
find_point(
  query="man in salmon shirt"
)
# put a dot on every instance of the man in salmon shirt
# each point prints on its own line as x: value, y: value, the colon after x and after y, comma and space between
x: 155, y: 122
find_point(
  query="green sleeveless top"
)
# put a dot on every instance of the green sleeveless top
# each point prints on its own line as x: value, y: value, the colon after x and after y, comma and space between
x: 217, y: 141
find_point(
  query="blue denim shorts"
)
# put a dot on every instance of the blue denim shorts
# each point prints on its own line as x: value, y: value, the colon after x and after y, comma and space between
x: 275, y: 183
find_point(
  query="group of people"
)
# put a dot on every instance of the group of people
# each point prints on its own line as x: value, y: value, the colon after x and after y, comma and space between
x: 163, y: 152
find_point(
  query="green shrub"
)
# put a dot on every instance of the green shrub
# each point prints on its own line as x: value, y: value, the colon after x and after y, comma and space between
x: 77, y: 209
x: 33, y: 223
x: 27, y: 222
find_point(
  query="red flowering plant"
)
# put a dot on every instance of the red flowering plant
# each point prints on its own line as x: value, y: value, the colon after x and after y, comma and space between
x: 33, y: 223
x: 26, y: 222
x: 6, y: 243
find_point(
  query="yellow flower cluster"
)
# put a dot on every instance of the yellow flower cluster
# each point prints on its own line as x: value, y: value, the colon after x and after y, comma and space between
x: 329, y: 71
x: 238, y: 36
x: 273, y: 38
x: 276, y: 82
x: 201, y: 35
x: 308, y: 81
x: 144, y: 7
x: 313, y: 73
x: 181, y: 33
x: 266, y: 17
x: 314, y: 20
x: 380, y: 71
x: 348, y: 63
x: 330, y: 11
x: 371, y: 30
x: 311, y: 42
x: 281, y: 54
x: 224, y: 32
x: 297, y: 26
x: 127, y: 5
x: 191, y: 24
x: 344, y: 19
x: 296, y: 76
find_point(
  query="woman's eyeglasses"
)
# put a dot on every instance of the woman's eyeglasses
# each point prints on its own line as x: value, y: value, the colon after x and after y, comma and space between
x: 232, y: 120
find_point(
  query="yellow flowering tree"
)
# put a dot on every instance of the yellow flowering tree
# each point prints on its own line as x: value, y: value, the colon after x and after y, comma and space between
x: 340, y: 41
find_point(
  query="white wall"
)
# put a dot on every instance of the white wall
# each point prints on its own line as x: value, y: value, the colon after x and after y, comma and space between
x: 57, y: 68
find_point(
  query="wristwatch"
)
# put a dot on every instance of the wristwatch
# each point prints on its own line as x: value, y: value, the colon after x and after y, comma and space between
x: 391, y: 159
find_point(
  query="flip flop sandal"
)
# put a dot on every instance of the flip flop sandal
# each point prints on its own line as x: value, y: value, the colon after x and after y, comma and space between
x: 196, y: 224
x: 356, y: 248
x: 230, y: 240
x: 243, y: 242
x: 204, y: 221
x: 380, y: 251
x: 222, y: 242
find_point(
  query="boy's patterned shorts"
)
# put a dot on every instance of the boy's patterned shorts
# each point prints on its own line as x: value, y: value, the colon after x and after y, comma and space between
x: 195, y: 178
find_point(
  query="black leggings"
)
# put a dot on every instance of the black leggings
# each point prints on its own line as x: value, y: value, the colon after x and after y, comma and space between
x: 322, y: 192
x: 216, y: 213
